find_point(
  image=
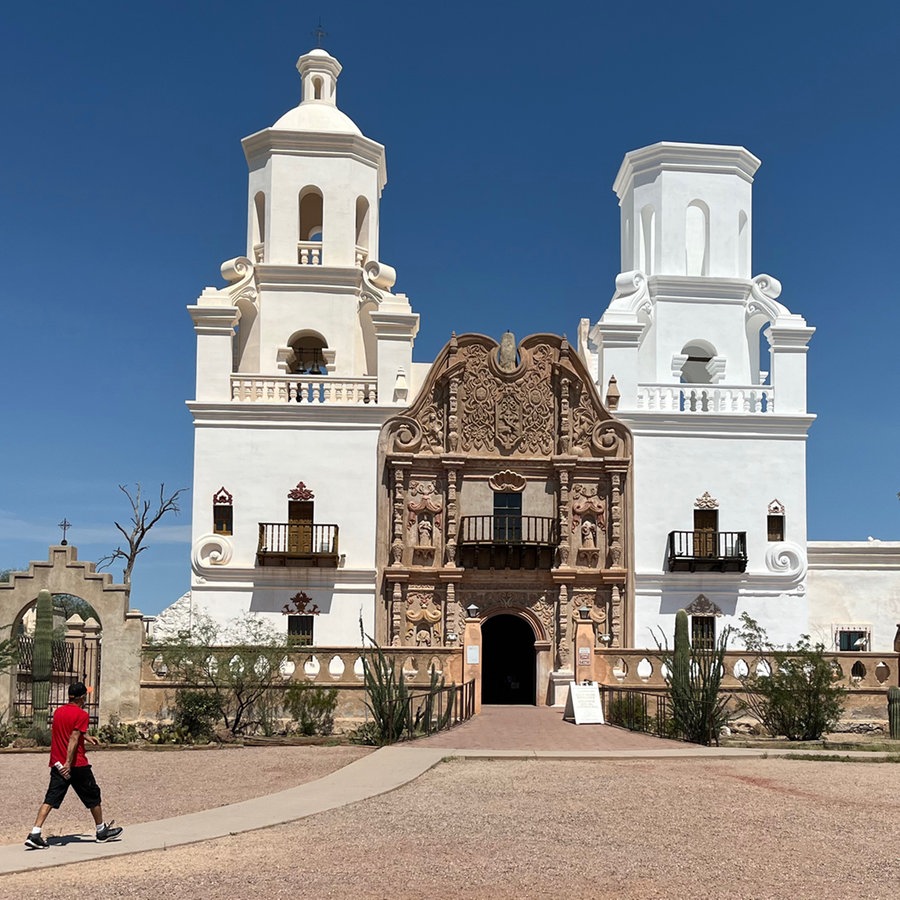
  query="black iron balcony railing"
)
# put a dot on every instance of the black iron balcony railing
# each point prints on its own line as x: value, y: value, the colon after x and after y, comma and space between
x: 297, y: 543
x: 538, y: 531
x: 507, y: 541
x: 707, y: 551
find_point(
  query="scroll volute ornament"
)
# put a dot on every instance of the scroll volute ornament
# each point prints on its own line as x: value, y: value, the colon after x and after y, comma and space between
x: 507, y: 481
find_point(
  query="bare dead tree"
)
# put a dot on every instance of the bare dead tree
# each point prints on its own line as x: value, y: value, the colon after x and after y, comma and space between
x: 143, y: 517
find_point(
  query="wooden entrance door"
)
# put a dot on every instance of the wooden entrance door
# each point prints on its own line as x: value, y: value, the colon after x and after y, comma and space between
x: 706, y: 525
x: 300, y: 527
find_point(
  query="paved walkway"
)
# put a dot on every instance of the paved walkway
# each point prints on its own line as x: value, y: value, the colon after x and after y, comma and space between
x: 500, y: 732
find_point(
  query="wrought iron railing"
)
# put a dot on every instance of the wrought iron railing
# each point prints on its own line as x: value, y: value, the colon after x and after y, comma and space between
x: 291, y: 539
x: 509, y: 530
x: 690, y: 551
x: 429, y: 712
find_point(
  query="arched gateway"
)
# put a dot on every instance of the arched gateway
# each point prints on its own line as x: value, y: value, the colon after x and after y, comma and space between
x: 505, y: 487
x: 509, y: 667
x: 118, y: 678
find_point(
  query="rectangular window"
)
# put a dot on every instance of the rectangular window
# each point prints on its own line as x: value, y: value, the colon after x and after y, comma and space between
x: 507, y: 518
x: 852, y: 640
x: 300, y: 630
x: 222, y: 519
x: 775, y: 528
x: 703, y: 632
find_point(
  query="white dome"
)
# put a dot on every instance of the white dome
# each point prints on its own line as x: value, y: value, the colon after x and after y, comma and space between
x: 315, y: 116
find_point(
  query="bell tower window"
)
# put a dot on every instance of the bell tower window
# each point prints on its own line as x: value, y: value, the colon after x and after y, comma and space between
x: 309, y: 246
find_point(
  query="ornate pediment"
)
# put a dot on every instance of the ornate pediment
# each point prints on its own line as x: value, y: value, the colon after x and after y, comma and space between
x: 485, y: 399
x: 702, y: 606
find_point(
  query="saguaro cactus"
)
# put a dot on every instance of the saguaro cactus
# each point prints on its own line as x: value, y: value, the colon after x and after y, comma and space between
x: 893, y: 701
x: 681, y: 660
x: 42, y: 661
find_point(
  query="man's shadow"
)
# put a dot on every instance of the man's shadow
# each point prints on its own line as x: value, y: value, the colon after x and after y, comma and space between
x: 62, y: 839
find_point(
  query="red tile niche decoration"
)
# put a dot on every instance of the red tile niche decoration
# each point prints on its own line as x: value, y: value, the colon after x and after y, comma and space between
x: 221, y: 497
x: 300, y: 604
x: 301, y: 492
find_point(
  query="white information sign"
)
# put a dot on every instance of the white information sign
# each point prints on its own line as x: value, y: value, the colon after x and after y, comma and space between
x: 584, y: 704
x: 472, y: 654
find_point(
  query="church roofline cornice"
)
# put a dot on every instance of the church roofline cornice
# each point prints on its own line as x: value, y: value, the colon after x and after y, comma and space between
x: 261, y: 145
x: 692, y: 288
x: 333, y: 279
x: 744, y: 426
x: 351, y: 417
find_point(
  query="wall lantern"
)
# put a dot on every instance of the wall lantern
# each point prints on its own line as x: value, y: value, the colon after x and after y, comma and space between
x: 584, y: 612
x: 472, y: 611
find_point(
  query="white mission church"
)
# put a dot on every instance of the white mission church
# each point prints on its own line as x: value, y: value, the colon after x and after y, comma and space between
x: 659, y: 464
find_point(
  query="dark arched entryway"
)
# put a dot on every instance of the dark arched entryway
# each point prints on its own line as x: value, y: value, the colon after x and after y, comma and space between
x: 508, y: 669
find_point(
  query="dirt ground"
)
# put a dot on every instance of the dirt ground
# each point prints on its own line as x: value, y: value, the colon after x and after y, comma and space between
x: 744, y: 828
x: 144, y: 785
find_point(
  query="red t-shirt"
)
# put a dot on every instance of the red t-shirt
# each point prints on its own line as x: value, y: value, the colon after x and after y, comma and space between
x: 65, y: 720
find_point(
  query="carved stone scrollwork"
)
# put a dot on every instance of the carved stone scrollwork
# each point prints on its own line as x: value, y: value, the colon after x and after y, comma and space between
x: 423, y: 616
x: 703, y: 606
x: 706, y: 502
x: 507, y: 481
x: 607, y: 440
x: 615, y: 546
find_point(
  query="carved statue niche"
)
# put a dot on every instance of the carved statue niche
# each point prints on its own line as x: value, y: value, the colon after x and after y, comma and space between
x: 424, y: 521
x: 423, y: 618
x: 588, y: 524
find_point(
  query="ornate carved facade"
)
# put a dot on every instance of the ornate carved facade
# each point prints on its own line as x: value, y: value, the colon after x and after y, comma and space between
x: 494, y: 422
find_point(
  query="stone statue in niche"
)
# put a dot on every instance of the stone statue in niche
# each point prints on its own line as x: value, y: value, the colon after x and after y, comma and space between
x: 588, y: 535
x: 424, y: 532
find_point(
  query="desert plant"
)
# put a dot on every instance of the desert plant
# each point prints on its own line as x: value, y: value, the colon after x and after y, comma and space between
x: 426, y: 720
x: 387, y: 696
x: 694, y: 675
x: 42, y: 660
x: 790, y: 690
x: 893, y: 702
x: 312, y: 707
x: 239, y: 665
x: 196, y: 713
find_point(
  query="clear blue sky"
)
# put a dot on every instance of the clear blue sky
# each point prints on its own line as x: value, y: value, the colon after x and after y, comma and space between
x: 123, y: 184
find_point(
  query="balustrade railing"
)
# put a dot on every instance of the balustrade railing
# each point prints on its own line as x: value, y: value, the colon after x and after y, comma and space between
x: 335, y: 666
x: 643, y: 669
x: 308, y: 389
x: 309, y: 253
x: 706, y: 398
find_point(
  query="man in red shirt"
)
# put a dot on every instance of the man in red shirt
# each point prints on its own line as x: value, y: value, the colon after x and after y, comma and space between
x: 70, y: 766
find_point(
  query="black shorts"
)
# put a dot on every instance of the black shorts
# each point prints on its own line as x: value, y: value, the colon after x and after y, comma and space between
x: 82, y: 782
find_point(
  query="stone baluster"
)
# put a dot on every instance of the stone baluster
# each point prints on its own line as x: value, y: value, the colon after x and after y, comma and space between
x: 615, y: 547
x: 396, y: 614
x: 565, y: 615
x: 452, y: 518
x: 565, y: 425
x: 397, y: 542
x: 615, y: 625
x: 563, y: 516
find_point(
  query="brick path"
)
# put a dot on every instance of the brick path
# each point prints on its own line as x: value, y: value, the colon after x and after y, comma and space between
x: 539, y: 728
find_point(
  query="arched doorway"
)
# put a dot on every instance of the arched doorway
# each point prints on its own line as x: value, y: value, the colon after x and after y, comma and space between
x: 508, y: 668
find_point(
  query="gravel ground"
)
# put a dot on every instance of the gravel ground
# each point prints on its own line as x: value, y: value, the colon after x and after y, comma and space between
x: 751, y: 828
x: 144, y: 785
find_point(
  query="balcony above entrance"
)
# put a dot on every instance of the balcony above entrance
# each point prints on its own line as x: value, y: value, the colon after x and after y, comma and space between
x: 707, y: 551
x: 507, y: 542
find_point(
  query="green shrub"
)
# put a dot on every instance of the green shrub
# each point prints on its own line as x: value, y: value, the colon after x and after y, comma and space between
x: 798, y: 696
x: 196, y: 713
x: 311, y: 707
x: 114, y: 732
x: 39, y: 733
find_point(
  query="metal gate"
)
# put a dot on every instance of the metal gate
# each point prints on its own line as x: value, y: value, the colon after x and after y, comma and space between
x: 77, y: 658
